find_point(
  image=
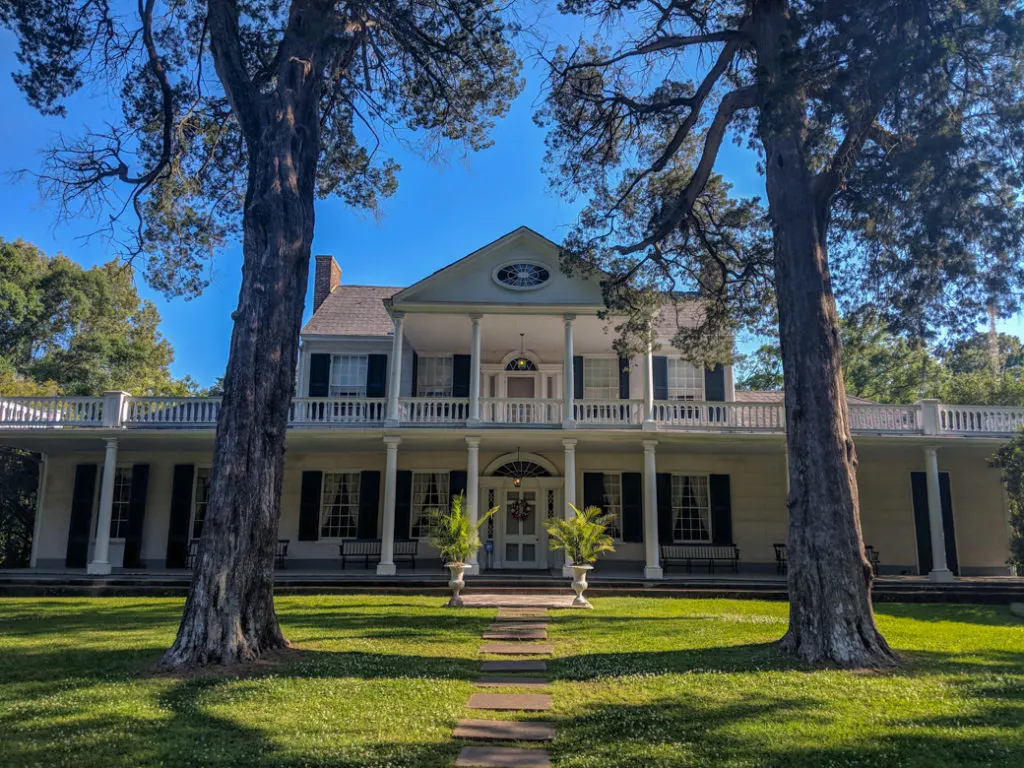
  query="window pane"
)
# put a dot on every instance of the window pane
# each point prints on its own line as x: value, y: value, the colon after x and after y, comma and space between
x: 429, y: 491
x: 434, y: 377
x: 348, y: 375
x: 339, y: 505
x: 122, y: 498
x: 691, y: 508
x: 200, y: 501
x: 685, y: 380
x: 613, y: 502
x: 600, y: 378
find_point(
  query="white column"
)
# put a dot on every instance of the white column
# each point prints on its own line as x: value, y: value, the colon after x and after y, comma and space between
x: 386, y: 566
x: 40, y: 505
x: 652, y: 570
x: 395, y: 382
x: 940, y: 571
x: 568, y: 385
x: 570, y: 488
x: 649, y: 389
x: 474, y: 370
x: 100, y: 565
x: 473, y: 492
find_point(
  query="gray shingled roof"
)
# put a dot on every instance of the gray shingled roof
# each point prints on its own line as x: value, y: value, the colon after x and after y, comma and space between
x: 353, y: 310
x: 777, y: 395
x: 681, y: 312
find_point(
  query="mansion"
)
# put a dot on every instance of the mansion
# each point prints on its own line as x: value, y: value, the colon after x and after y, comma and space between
x: 496, y: 377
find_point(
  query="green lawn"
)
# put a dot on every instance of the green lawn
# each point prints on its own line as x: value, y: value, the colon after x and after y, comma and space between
x: 382, y: 680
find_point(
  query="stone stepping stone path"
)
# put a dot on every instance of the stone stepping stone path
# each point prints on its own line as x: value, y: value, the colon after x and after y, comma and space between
x: 503, y: 757
x: 519, y: 628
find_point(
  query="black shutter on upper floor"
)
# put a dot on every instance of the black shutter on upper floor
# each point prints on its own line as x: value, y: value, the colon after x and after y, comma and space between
x: 309, y: 506
x: 369, y: 504
x: 623, y: 378
x: 403, y: 504
x: 178, y: 533
x: 721, y: 509
x: 460, y: 376
x: 415, y: 375
x: 659, y: 368
x: 714, y: 384
x: 376, y: 375
x: 664, y: 483
x: 577, y: 377
x: 83, y: 497
x: 632, y: 525
x: 319, y: 376
x: 136, y: 516
x: 593, y: 489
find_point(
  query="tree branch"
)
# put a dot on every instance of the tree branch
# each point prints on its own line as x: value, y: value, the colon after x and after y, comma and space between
x: 226, y: 48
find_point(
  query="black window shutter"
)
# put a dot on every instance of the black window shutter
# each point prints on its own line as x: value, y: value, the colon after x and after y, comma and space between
x: 632, y: 525
x: 457, y: 482
x: 309, y: 506
x: 946, y: 498
x: 319, y: 376
x: 403, y: 504
x: 593, y: 489
x: 82, y: 499
x: 721, y: 509
x: 577, y: 377
x: 664, y: 482
x: 623, y: 378
x: 460, y: 376
x: 369, y: 503
x: 181, y: 515
x: 714, y: 384
x: 659, y: 365
x: 377, y: 376
x: 922, y: 524
x: 136, y: 516
x: 415, y: 374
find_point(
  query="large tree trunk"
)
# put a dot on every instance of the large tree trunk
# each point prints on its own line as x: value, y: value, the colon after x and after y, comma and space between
x: 830, y: 616
x: 229, y: 615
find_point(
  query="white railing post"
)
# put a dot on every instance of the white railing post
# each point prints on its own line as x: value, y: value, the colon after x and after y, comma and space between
x: 929, y: 412
x: 652, y: 569
x: 568, y: 385
x: 100, y: 563
x: 395, y: 382
x: 474, y: 371
x: 115, y: 403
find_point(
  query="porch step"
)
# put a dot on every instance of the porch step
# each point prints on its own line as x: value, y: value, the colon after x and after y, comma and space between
x: 504, y: 730
x: 502, y: 757
x: 512, y: 702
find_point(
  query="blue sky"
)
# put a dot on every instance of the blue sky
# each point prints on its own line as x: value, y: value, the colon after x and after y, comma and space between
x: 440, y: 212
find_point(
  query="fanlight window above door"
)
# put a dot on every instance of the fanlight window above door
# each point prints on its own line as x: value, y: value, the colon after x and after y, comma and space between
x: 521, y: 469
x: 522, y: 275
x: 521, y: 363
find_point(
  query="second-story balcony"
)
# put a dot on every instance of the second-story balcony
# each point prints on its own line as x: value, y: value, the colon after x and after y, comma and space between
x: 121, y: 411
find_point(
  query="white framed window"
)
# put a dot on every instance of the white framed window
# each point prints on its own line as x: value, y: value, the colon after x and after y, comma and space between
x: 613, y: 503
x: 339, y: 505
x: 600, y: 378
x: 691, y: 508
x: 122, y: 500
x: 348, y: 375
x: 429, y: 491
x: 685, y: 380
x: 200, y: 500
x: 434, y: 377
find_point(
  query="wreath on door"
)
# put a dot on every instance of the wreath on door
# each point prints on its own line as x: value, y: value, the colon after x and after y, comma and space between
x: 520, y: 509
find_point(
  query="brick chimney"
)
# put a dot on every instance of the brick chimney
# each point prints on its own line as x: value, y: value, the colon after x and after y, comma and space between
x: 325, y: 280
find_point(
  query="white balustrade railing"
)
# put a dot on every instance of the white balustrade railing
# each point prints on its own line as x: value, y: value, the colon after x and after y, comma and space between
x: 609, y: 412
x: 311, y: 411
x: 979, y: 419
x: 172, y: 411
x: 743, y: 417
x: 434, y: 410
x: 51, y: 411
x: 885, y: 418
x: 509, y: 410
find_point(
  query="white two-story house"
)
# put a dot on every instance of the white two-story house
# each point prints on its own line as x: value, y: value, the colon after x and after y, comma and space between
x: 496, y: 378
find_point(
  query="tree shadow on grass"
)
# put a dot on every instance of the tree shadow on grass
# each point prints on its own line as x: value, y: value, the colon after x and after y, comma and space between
x: 982, y: 615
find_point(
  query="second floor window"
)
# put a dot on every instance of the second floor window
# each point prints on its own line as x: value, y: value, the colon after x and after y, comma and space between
x: 339, y: 505
x: 348, y: 375
x: 600, y: 378
x: 122, y: 500
x: 429, y: 491
x: 434, y: 377
x: 685, y: 380
x: 200, y: 500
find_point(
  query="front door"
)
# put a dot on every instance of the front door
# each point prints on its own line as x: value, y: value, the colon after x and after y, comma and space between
x: 520, y: 516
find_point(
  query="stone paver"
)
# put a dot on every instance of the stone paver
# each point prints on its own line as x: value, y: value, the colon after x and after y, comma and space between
x: 523, y: 613
x: 516, y: 634
x: 514, y: 666
x: 518, y: 601
x: 511, y: 681
x: 513, y: 702
x: 518, y: 649
x: 502, y: 757
x: 504, y: 730
x: 528, y: 624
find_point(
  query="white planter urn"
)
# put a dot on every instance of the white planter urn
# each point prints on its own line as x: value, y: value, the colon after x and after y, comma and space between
x: 456, y: 583
x: 579, y: 585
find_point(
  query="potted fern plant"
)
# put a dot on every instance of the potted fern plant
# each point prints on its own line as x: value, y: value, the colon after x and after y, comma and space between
x: 583, y: 537
x: 457, y: 540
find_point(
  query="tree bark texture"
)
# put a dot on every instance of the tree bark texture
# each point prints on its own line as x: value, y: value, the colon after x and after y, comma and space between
x: 229, y: 615
x: 831, y: 619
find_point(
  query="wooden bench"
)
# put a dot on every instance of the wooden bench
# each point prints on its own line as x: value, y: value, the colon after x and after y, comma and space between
x: 369, y: 550
x: 782, y: 564
x: 280, y: 553
x: 701, y: 554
